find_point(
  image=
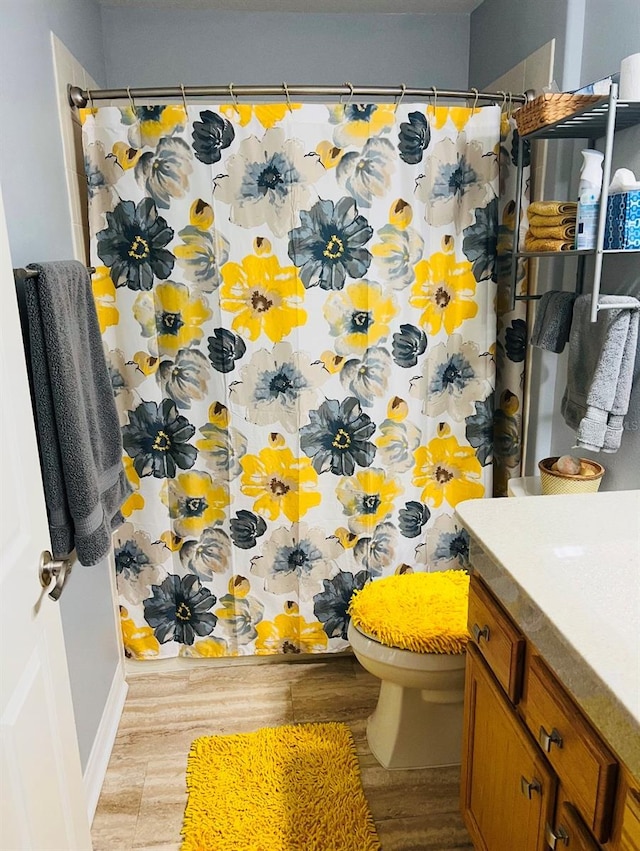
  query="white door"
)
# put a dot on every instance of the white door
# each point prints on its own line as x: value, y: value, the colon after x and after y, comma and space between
x: 43, y: 800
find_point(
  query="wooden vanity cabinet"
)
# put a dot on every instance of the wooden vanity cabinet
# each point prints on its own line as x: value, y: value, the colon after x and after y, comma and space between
x: 508, y: 789
x: 535, y: 774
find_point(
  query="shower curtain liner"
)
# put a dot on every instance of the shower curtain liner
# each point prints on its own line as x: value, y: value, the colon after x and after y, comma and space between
x: 298, y: 305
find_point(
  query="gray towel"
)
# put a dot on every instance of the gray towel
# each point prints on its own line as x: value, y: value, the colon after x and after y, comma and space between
x: 76, y: 418
x: 554, y: 313
x: 600, y: 372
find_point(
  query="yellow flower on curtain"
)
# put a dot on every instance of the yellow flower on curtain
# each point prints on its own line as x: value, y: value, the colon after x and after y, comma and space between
x: 126, y: 156
x: 148, y: 123
x: 135, y: 501
x: 170, y: 316
x: 368, y: 497
x: 208, y: 648
x: 444, y: 290
x: 358, y: 122
x: 459, y: 115
x: 139, y: 641
x: 290, y: 633
x: 359, y: 316
x: 265, y: 296
x: 195, y: 501
x: 280, y: 483
x: 445, y: 470
x: 268, y: 114
x: 104, y: 295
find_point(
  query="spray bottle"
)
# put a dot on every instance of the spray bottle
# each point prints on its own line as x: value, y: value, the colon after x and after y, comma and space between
x: 589, y: 190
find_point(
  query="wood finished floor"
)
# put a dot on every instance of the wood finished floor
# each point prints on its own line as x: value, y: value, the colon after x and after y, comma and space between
x: 143, y: 797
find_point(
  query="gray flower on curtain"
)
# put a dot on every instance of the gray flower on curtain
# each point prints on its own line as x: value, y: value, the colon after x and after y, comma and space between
x: 414, y: 138
x: 156, y: 437
x: 164, y: 173
x: 180, y: 609
x: 209, y: 555
x: 268, y: 181
x: 457, y: 179
x: 367, y: 174
x: 479, y: 430
x: 211, y: 135
x: 278, y: 386
x: 185, y: 379
x: 480, y: 243
x: 367, y: 378
x: 133, y: 245
x: 331, y: 605
x: 377, y: 552
x: 329, y: 244
x: 296, y: 559
x: 337, y: 438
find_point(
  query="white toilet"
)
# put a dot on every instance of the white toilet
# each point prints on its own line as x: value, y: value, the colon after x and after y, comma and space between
x: 417, y: 722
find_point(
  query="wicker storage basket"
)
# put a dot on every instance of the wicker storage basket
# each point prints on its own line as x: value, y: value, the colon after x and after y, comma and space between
x: 549, y: 108
x: 553, y: 482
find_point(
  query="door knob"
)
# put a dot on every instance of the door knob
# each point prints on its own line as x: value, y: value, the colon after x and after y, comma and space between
x: 50, y: 569
x: 527, y: 787
x: 480, y: 632
x: 548, y: 739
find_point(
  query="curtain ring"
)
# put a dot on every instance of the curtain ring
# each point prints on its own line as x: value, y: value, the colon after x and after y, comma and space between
x: 234, y: 99
x: 184, y: 98
x: 399, y: 101
x: 510, y: 106
x: 435, y: 97
x: 90, y: 99
x: 504, y: 99
x: 131, y: 100
x: 475, y: 103
x: 350, y: 92
x: 286, y: 94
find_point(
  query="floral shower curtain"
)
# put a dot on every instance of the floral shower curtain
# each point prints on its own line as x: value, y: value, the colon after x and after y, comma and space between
x: 298, y: 305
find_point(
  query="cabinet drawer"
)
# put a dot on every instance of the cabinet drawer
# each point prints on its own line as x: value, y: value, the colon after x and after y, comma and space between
x: 570, y: 832
x: 496, y: 638
x: 586, y: 768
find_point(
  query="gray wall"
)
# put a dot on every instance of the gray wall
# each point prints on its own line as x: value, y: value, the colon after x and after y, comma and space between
x: 504, y: 32
x: 35, y: 198
x: 592, y: 37
x: 163, y: 47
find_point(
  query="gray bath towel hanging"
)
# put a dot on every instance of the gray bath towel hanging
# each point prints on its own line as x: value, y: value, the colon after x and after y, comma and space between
x: 600, y: 372
x: 76, y: 418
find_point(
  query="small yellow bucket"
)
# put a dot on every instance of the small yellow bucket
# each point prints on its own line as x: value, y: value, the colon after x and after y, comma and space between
x: 553, y: 482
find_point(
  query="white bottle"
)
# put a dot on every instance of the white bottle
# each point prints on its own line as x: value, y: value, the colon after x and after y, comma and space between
x: 589, y: 190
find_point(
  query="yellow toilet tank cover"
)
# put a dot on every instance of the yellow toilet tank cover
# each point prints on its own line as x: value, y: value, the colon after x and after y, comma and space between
x: 423, y: 612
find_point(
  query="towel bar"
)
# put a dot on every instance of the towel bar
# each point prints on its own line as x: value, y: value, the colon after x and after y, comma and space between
x: 32, y: 273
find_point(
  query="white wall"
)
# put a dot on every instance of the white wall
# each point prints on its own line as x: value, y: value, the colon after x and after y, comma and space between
x: 33, y: 177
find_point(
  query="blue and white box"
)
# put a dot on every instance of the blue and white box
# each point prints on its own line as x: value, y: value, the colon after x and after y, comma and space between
x: 622, y: 229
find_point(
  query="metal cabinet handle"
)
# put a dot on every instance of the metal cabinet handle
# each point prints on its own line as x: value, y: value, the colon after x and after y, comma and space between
x: 548, y: 739
x: 529, y: 786
x: 50, y: 569
x: 480, y: 632
x: 552, y: 838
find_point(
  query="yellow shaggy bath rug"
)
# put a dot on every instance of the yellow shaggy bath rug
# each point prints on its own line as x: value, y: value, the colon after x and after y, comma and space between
x: 290, y: 788
x: 423, y: 612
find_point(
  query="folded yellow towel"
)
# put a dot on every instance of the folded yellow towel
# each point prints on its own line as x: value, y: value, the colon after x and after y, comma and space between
x: 423, y: 612
x: 551, y: 221
x: 533, y: 244
x: 563, y: 232
x: 552, y: 208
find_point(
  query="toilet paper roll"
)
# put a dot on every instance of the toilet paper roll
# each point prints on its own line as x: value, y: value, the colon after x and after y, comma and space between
x: 630, y: 78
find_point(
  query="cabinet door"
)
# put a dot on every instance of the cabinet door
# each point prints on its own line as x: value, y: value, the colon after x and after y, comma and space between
x: 508, y: 790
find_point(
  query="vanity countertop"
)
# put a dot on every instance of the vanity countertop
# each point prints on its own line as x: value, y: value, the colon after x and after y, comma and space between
x: 567, y: 569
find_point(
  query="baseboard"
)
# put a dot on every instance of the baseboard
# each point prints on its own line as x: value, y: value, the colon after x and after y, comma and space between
x: 98, y: 761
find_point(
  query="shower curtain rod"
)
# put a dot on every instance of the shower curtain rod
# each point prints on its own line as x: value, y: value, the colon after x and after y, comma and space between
x: 80, y: 97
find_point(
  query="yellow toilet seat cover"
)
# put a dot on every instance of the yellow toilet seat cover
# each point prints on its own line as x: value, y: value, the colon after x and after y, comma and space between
x: 423, y: 612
